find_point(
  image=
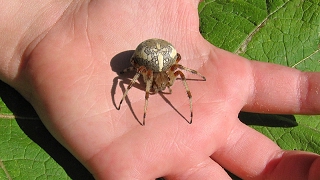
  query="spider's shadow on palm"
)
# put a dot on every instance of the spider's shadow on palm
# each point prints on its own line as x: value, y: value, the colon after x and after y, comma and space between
x: 119, y: 63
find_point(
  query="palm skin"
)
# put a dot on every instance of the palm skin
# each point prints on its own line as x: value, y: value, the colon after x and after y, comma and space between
x: 74, y: 87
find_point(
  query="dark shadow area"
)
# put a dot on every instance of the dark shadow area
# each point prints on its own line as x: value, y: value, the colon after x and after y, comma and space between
x: 269, y: 120
x: 16, y: 103
x: 119, y: 63
x: 32, y: 126
x: 232, y: 176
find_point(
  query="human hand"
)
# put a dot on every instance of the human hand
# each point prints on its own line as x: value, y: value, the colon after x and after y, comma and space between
x: 72, y: 84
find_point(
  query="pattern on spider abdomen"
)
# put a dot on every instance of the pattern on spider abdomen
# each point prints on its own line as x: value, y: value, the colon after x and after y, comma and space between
x: 156, y: 55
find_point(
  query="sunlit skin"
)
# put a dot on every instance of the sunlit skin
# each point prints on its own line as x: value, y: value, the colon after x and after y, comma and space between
x: 60, y: 55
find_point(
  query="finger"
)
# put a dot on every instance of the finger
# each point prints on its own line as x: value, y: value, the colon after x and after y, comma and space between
x: 279, y: 89
x: 207, y: 169
x: 251, y: 155
x: 293, y: 165
x: 246, y: 152
x: 269, y: 88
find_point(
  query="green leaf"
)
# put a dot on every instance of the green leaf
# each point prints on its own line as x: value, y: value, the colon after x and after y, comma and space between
x: 279, y: 31
x: 21, y: 158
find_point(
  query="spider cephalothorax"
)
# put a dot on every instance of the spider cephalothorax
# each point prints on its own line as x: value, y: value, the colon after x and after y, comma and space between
x: 157, y: 60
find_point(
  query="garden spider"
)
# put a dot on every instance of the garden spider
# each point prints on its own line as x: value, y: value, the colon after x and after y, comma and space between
x: 157, y: 61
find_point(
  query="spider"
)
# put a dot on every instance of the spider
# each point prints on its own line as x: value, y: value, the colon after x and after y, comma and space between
x: 157, y: 61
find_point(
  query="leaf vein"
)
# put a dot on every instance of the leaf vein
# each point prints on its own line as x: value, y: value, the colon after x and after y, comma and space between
x: 242, y: 46
x: 5, y: 170
x: 304, y: 59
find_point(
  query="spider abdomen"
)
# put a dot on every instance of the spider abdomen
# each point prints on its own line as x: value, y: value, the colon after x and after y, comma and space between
x: 155, y: 54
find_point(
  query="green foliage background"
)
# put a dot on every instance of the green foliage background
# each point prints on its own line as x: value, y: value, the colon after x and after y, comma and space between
x: 285, y: 32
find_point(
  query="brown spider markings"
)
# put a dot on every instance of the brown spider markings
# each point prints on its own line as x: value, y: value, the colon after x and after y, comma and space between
x: 158, y: 81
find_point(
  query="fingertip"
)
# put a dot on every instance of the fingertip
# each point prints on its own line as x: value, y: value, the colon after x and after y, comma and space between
x: 294, y: 165
x: 314, y: 172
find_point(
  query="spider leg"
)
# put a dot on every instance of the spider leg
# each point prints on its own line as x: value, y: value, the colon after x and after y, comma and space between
x: 179, y: 73
x: 128, y: 69
x: 134, y: 79
x: 178, y: 58
x: 148, y: 76
x: 170, y: 90
x: 191, y: 70
x: 175, y: 66
x: 131, y: 68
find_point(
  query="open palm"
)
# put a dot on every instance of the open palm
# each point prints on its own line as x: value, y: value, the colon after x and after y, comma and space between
x: 72, y: 80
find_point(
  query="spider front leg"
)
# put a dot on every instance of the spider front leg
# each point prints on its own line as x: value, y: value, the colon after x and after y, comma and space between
x: 134, y: 79
x: 148, y: 78
x: 173, y: 75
